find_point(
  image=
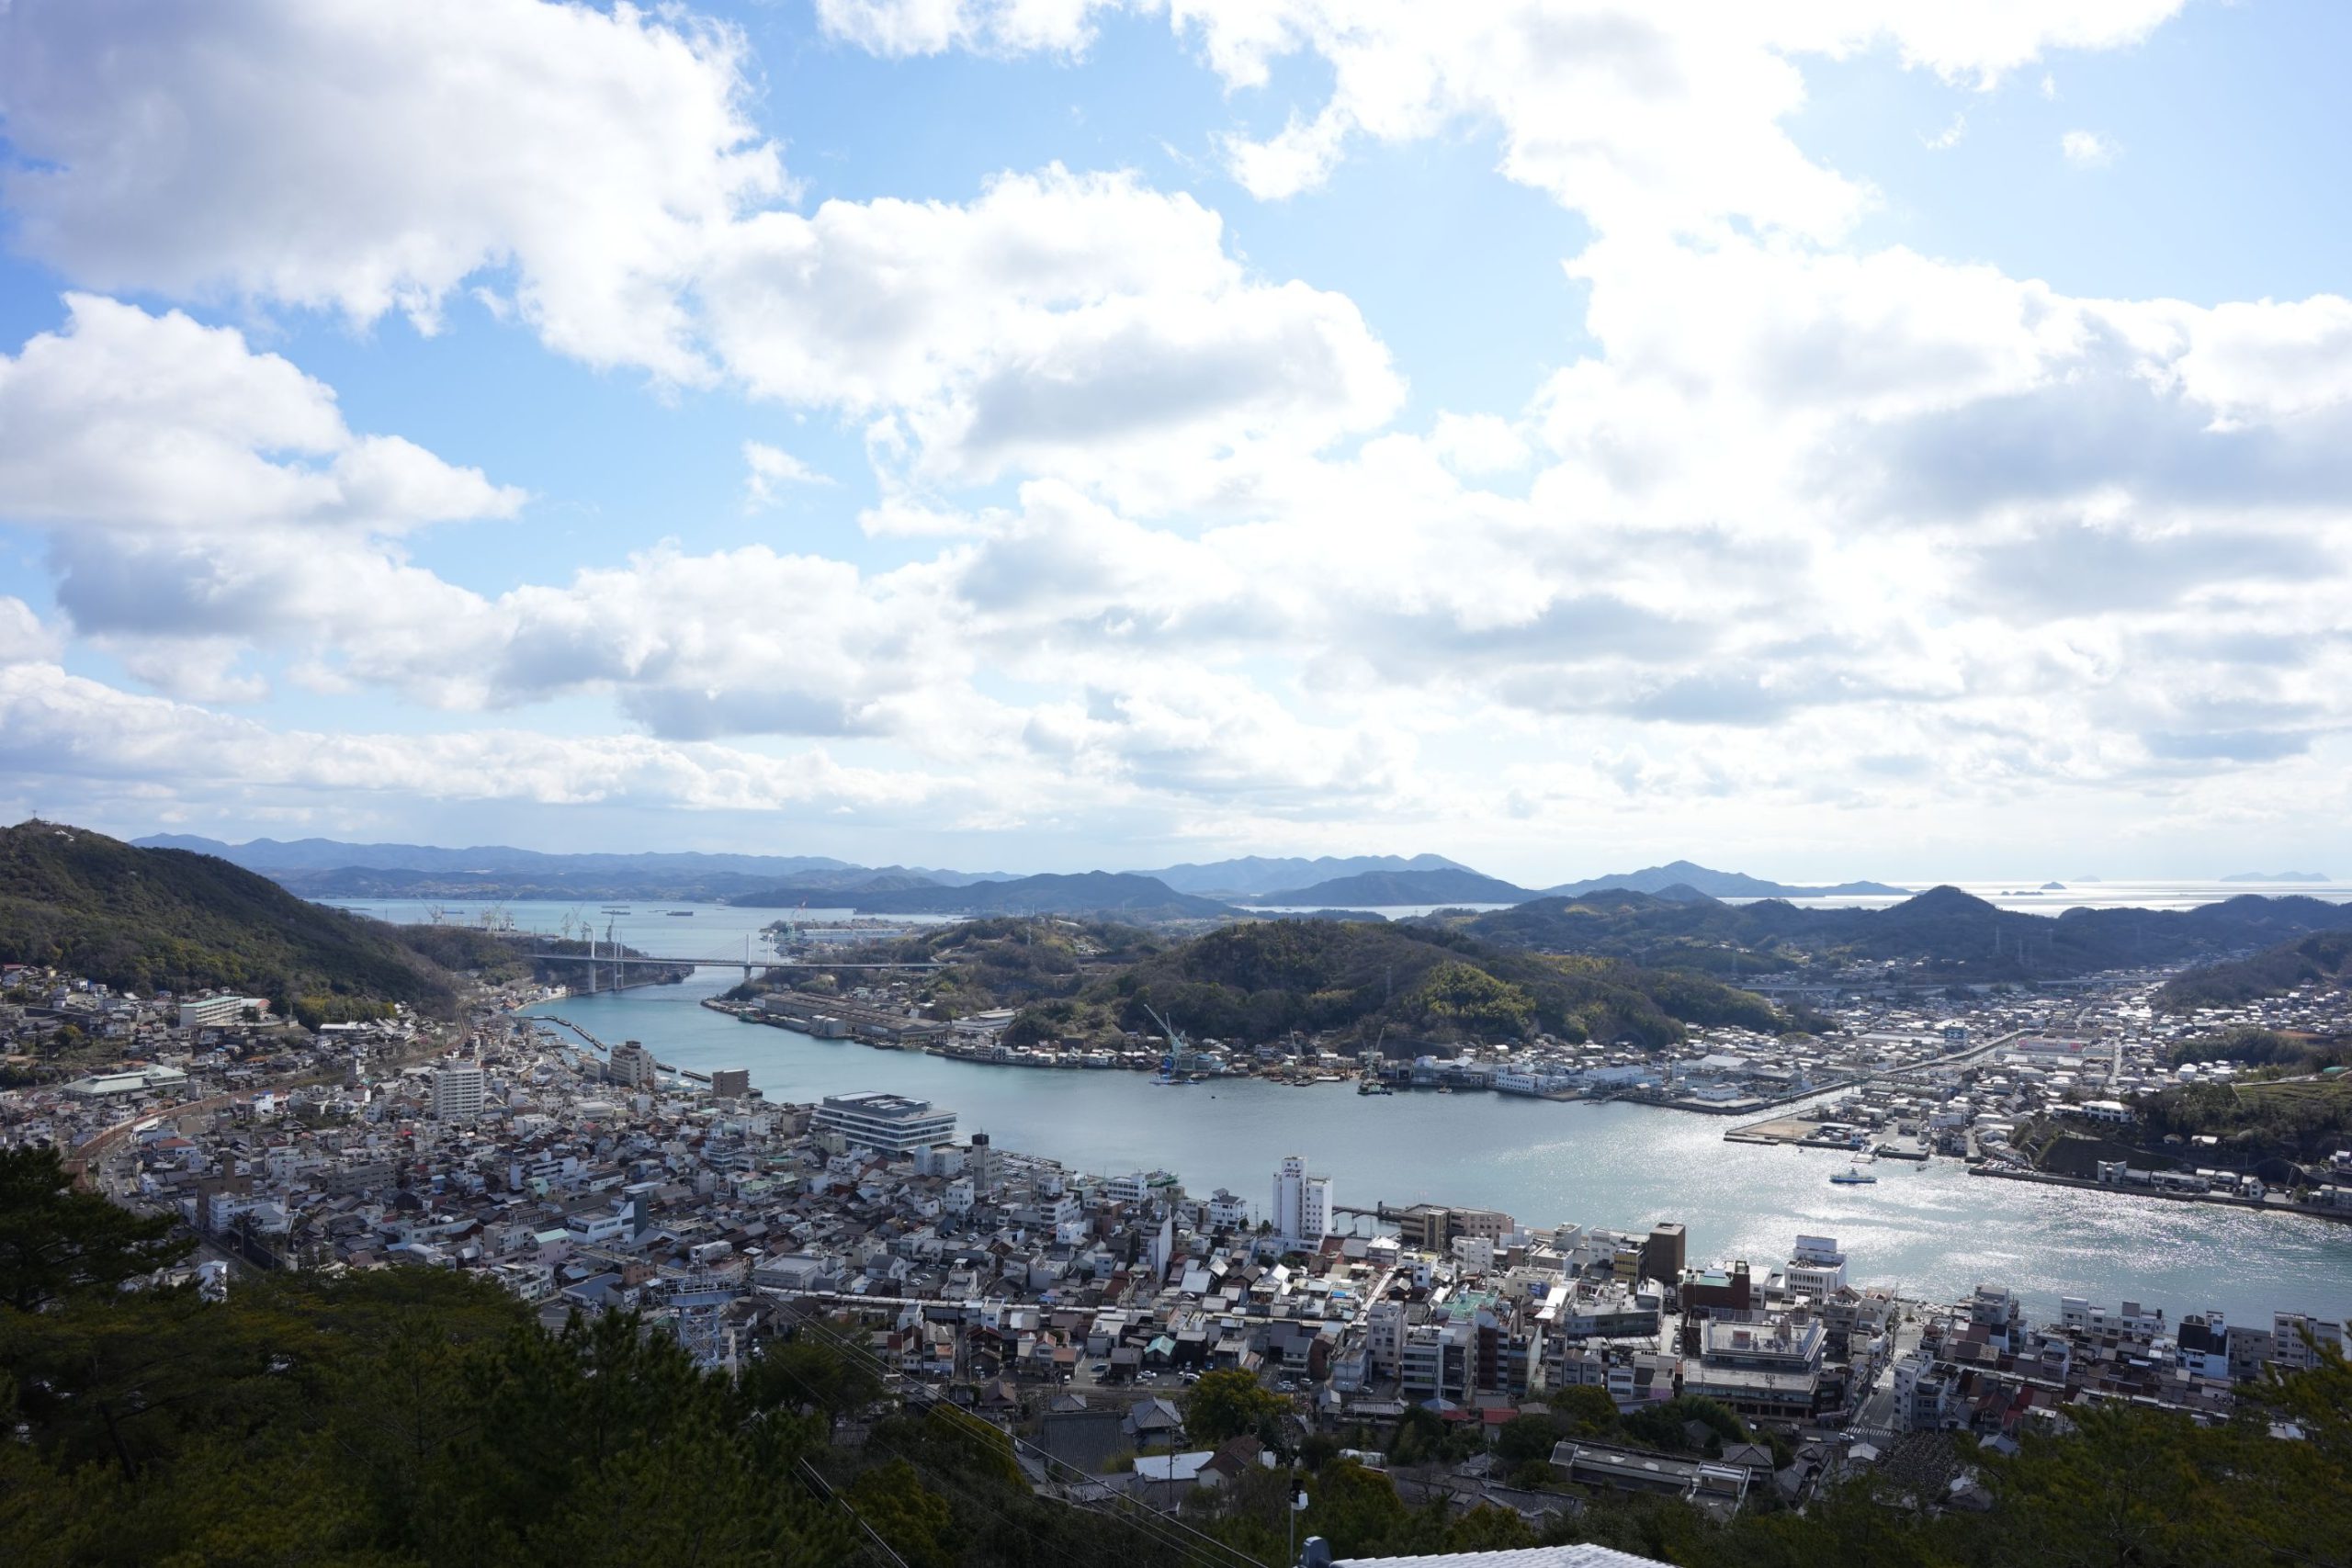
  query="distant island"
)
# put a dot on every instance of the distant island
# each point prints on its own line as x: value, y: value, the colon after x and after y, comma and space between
x: 1720, y: 884
x: 2277, y: 876
x: 329, y: 869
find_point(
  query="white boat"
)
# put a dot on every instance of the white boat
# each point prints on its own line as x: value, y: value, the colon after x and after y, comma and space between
x: 1853, y: 1175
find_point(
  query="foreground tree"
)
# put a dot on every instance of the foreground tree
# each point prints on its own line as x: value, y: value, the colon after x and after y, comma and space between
x: 55, y: 1241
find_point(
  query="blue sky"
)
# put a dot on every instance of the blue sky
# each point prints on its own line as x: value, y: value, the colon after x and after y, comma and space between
x: 1827, y: 438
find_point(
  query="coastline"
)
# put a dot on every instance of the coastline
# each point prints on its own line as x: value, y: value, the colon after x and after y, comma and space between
x: 2218, y: 1200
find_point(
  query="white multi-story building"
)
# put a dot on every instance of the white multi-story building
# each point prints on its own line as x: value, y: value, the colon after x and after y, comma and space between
x: 1227, y: 1213
x: 631, y: 1064
x: 459, y: 1092
x: 890, y: 1123
x: 2288, y: 1349
x: 1816, y: 1269
x: 212, y: 1012
x: 1302, y: 1202
x: 1921, y: 1392
x: 1384, y: 1340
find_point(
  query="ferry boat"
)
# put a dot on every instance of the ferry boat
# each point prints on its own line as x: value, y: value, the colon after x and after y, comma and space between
x: 1853, y: 1175
x: 1373, y: 1086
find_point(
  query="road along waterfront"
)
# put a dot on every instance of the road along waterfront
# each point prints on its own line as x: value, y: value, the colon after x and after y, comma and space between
x: 1928, y: 1229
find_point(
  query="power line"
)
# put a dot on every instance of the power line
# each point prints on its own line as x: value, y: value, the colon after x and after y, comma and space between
x: 937, y: 1479
x: 873, y: 1536
x: 1158, y: 1523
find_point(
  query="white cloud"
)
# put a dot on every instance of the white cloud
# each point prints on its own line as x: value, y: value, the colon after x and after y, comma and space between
x: 769, y: 469
x: 602, y: 169
x: 1081, y: 323
x: 1668, y: 119
x: 1665, y: 119
x: 60, y: 729
x: 124, y: 420
x: 24, y: 638
x: 1950, y: 136
x: 339, y: 154
x: 2088, y: 148
x: 2270, y: 359
x: 898, y: 28
x: 1836, y: 535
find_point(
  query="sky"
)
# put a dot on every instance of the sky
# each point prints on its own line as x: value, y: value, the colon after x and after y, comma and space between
x: 1824, y: 438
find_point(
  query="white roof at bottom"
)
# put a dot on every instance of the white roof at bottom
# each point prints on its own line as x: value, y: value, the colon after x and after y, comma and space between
x: 1580, y: 1556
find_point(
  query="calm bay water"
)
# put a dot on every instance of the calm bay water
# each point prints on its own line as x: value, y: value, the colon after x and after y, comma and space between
x: 1933, y: 1231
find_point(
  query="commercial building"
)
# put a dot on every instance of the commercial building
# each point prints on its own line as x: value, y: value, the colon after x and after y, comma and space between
x: 890, y: 1123
x: 1434, y: 1227
x: 1764, y: 1364
x: 731, y: 1083
x: 134, y: 1080
x: 1302, y: 1210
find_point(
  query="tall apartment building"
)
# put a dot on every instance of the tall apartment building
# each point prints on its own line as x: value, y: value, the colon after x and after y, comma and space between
x: 730, y: 1083
x: 1302, y: 1210
x: 632, y: 1066
x: 459, y: 1091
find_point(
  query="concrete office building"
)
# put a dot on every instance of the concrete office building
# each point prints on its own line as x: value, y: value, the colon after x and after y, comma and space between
x: 891, y: 1122
x: 731, y: 1083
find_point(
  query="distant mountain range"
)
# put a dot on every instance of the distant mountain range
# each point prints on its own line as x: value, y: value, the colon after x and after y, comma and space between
x: 1449, y: 885
x: 1720, y: 884
x: 1253, y: 875
x: 1458, y: 885
x: 2277, y: 876
x: 1939, y: 936
x: 328, y: 868
x: 1122, y: 895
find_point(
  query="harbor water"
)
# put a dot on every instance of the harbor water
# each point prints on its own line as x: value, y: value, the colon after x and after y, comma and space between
x: 1932, y: 1231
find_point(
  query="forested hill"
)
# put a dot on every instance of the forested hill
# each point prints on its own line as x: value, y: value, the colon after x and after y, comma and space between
x: 168, y: 919
x: 1943, y: 934
x: 1116, y: 894
x: 1258, y: 981
x: 2323, y: 958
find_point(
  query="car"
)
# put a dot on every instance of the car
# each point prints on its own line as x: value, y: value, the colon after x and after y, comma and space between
x: 1099, y: 1369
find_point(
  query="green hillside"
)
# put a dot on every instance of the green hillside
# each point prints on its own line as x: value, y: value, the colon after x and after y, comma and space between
x: 2324, y: 958
x: 167, y: 920
x: 1940, y: 936
x: 1257, y: 981
x: 1000, y: 961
